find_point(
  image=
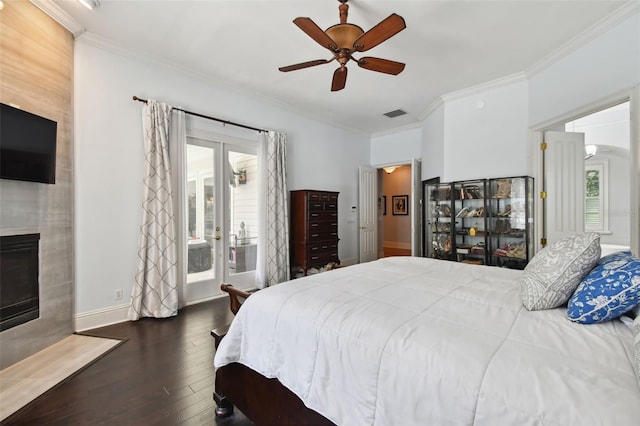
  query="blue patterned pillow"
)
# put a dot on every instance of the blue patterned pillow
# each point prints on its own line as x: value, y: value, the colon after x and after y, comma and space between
x: 608, y: 291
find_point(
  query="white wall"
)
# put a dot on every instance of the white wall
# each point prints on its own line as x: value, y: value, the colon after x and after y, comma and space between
x: 599, y: 69
x: 486, y: 134
x: 109, y: 160
x: 460, y: 140
x: 396, y: 148
x: 433, y: 144
x: 482, y: 134
x: 619, y: 205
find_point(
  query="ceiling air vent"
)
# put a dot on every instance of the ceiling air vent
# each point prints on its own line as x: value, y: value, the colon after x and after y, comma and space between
x: 396, y: 113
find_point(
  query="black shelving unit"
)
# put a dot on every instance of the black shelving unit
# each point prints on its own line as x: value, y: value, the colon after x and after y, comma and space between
x: 438, y: 214
x: 481, y: 221
x: 510, y: 222
x: 470, y: 219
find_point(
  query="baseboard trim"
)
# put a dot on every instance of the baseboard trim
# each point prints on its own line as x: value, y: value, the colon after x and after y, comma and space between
x: 100, y: 317
x: 348, y: 262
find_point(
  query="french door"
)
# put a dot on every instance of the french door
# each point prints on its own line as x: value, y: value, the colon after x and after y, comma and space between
x: 219, y: 219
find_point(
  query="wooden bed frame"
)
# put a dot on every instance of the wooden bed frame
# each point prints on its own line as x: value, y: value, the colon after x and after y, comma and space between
x: 264, y: 401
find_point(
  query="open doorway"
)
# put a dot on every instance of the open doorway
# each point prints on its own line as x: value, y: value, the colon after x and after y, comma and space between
x: 561, y: 177
x: 607, y: 207
x: 394, y: 213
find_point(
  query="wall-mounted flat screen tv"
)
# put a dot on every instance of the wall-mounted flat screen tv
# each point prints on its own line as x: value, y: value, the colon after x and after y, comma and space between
x: 27, y: 146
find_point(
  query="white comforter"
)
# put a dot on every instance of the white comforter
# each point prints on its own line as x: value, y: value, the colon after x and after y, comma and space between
x: 413, y: 341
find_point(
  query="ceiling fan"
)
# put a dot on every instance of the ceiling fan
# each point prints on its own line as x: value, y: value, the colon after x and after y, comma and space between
x: 344, y: 39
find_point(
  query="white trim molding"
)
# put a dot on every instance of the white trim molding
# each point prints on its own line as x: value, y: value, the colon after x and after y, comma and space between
x: 100, y: 317
x: 611, y: 20
x: 60, y: 16
x: 472, y: 90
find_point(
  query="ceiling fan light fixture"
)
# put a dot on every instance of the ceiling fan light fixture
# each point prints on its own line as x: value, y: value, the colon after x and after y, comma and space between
x: 344, y: 39
x: 344, y: 34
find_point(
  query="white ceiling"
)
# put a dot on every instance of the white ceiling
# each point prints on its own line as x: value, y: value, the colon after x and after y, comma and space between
x: 447, y: 46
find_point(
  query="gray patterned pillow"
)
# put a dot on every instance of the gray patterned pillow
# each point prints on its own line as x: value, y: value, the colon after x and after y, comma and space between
x: 553, y: 274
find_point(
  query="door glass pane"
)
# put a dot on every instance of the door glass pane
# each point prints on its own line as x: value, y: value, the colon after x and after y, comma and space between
x: 243, y: 212
x: 200, y: 213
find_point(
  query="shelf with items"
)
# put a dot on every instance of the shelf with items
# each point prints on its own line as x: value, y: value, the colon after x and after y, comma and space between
x: 510, y: 222
x: 481, y: 221
x: 438, y: 213
x: 470, y: 224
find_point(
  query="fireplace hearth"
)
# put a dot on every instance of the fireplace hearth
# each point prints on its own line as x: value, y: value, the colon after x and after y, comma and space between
x: 19, y: 292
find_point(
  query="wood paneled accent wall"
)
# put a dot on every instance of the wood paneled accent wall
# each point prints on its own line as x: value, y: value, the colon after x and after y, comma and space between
x: 36, y: 74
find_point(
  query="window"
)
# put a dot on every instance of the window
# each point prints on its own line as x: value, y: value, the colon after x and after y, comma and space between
x: 595, y: 200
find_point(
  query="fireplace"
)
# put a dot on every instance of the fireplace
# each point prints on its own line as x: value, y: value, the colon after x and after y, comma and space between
x: 19, y: 293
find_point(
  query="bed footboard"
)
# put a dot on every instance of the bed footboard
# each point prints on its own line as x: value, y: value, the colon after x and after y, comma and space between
x: 264, y: 401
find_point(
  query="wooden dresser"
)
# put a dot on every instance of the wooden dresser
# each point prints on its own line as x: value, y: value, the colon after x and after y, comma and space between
x: 314, y: 228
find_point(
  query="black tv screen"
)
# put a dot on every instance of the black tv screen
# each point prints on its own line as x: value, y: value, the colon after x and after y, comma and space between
x: 27, y: 146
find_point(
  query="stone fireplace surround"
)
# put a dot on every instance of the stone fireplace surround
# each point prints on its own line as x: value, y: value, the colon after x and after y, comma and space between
x: 36, y: 74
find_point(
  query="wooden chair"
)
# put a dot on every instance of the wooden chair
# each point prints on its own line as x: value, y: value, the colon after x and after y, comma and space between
x: 236, y: 298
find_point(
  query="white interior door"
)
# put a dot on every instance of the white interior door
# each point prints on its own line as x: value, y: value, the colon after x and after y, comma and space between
x: 416, y: 208
x: 368, y: 214
x: 564, y: 184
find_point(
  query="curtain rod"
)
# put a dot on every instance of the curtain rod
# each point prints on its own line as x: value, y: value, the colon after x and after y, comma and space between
x: 135, y: 98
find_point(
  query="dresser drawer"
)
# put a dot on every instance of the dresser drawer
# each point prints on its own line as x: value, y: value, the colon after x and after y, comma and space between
x: 323, y: 205
x: 316, y: 205
x: 331, y: 226
x: 331, y: 205
x: 322, y: 258
x: 315, y: 236
x: 322, y: 249
x: 323, y: 216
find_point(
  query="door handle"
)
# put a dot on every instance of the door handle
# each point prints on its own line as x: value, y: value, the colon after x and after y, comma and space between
x: 363, y: 227
x: 217, y: 237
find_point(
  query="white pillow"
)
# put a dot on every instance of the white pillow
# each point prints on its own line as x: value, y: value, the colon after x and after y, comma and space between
x: 554, y: 273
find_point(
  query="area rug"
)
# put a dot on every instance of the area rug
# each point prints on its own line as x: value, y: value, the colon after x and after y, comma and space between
x: 26, y: 380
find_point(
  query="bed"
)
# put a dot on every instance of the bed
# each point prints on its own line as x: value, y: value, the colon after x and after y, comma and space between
x: 416, y: 341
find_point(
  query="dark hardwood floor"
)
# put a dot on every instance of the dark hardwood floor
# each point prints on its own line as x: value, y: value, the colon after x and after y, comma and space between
x: 162, y: 375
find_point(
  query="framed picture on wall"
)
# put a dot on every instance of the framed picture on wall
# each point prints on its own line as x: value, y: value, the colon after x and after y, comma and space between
x: 399, y: 205
x: 384, y: 205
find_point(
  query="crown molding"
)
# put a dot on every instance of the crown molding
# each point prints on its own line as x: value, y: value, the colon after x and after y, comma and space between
x: 60, y: 16
x: 484, y: 87
x: 103, y: 43
x: 404, y: 128
x: 473, y: 90
x: 431, y: 108
x: 625, y: 11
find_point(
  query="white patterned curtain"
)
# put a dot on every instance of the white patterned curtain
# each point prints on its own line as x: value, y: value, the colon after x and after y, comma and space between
x: 272, y: 264
x: 155, y: 292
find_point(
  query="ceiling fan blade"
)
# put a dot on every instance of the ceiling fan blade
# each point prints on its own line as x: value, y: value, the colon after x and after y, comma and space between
x: 387, y: 28
x: 316, y: 33
x: 305, y: 65
x: 381, y: 65
x: 339, y: 79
